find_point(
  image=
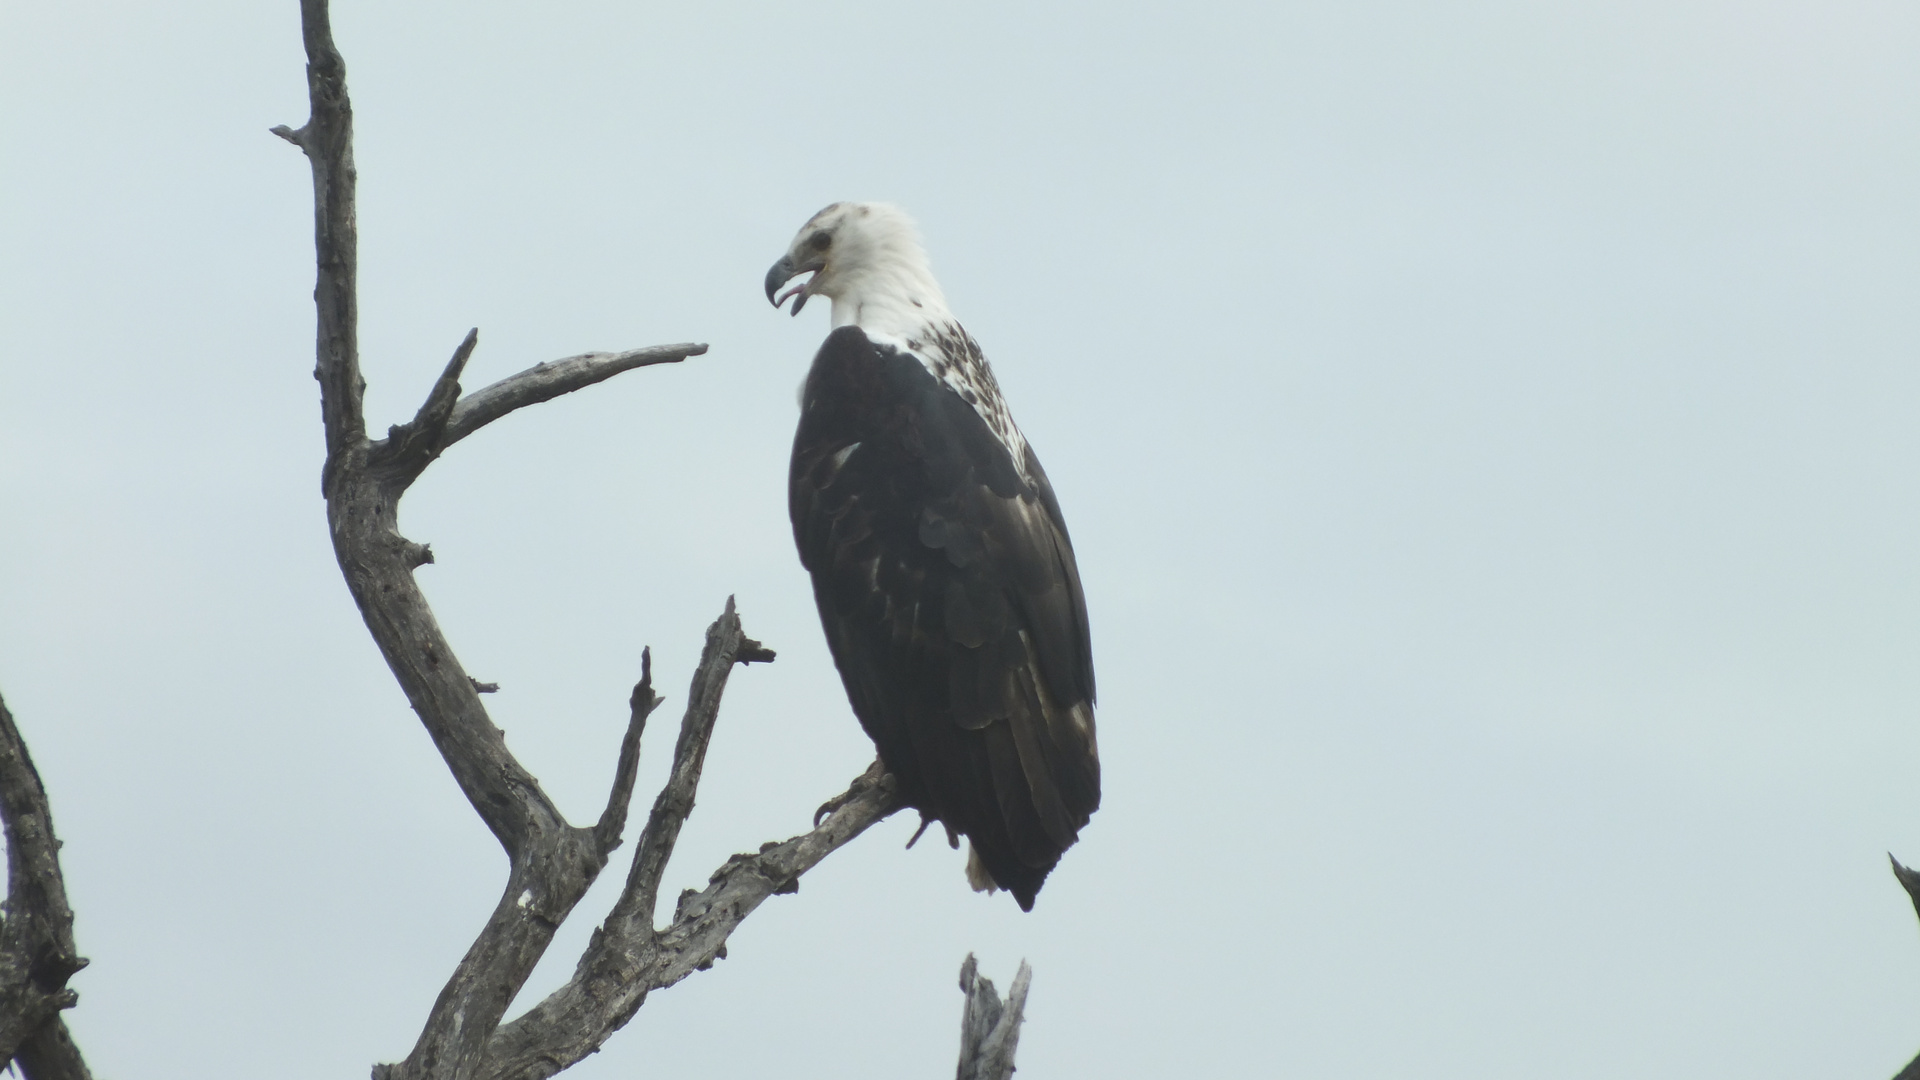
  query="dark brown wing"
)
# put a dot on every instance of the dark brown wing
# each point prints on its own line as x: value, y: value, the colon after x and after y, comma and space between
x: 947, y: 587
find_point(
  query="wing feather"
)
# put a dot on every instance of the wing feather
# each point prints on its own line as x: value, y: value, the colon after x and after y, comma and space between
x: 952, y: 604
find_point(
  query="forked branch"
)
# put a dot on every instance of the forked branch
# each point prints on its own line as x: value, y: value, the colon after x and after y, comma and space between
x: 412, y: 446
x: 627, y: 958
x: 990, y: 1030
x: 551, y: 863
x: 725, y: 643
x: 544, y: 382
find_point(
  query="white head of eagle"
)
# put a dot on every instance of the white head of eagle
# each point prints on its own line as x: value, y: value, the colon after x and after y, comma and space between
x: 941, y: 564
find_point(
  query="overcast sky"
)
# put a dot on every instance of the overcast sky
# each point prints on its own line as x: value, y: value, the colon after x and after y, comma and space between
x: 1488, y: 432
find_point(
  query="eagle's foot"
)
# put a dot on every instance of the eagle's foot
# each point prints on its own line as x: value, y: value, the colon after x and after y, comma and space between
x: 875, y: 776
x: 953, y: 837
x: 915, y: 838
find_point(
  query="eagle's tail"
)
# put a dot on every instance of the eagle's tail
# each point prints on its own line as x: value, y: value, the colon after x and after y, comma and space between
x: 977, y: 875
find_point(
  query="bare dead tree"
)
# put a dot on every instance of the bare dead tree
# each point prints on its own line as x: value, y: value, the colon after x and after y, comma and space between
x: 990, y: 1030
x: 551, y: 862
x: 36, y: 938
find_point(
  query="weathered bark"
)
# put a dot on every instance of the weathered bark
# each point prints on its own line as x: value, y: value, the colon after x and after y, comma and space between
x: 36, y: 938
x: 989, y: 1030
x: 50, y: 1054
x: 627, y: 958
x: 551, y: 863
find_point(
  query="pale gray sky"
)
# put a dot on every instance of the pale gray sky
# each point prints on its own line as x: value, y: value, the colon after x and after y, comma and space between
x: 1488, y: 431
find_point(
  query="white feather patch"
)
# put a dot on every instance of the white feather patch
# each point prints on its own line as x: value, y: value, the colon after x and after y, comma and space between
x: 951, y: 355
x: 977, y: 875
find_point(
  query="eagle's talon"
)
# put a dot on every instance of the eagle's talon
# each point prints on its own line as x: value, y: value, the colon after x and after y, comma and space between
x: 915, y: 838
x: 875, y: 776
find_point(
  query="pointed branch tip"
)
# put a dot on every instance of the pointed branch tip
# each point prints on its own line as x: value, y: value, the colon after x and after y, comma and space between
x: 1909, y: 880
x: 613, y: 820
x: 549, y: 380
x: 414, y: 444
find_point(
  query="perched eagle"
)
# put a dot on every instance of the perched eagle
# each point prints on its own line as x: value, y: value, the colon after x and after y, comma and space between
x: 940, y: 562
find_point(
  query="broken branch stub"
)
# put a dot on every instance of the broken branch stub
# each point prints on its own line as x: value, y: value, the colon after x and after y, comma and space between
x: 989, y: 1028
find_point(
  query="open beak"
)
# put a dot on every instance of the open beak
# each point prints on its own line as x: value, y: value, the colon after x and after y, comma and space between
x: 784, y: 271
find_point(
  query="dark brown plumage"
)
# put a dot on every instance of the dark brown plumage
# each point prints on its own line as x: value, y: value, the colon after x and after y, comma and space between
x: 952, y: 604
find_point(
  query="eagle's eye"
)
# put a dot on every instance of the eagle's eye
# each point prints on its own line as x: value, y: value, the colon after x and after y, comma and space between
x: 820, y: 241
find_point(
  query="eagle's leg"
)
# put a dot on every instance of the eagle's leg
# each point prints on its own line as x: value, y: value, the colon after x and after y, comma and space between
x: 876, y: 774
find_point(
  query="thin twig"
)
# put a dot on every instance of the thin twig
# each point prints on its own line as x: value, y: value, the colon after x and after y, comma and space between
x: 434, y: 411
x: 613, y: 820
x: 675, y: 801
x: 412, y: 446
x: 546, y: 381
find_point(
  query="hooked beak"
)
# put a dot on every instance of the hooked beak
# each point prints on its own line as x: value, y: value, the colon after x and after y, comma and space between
x: 784, y: 271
